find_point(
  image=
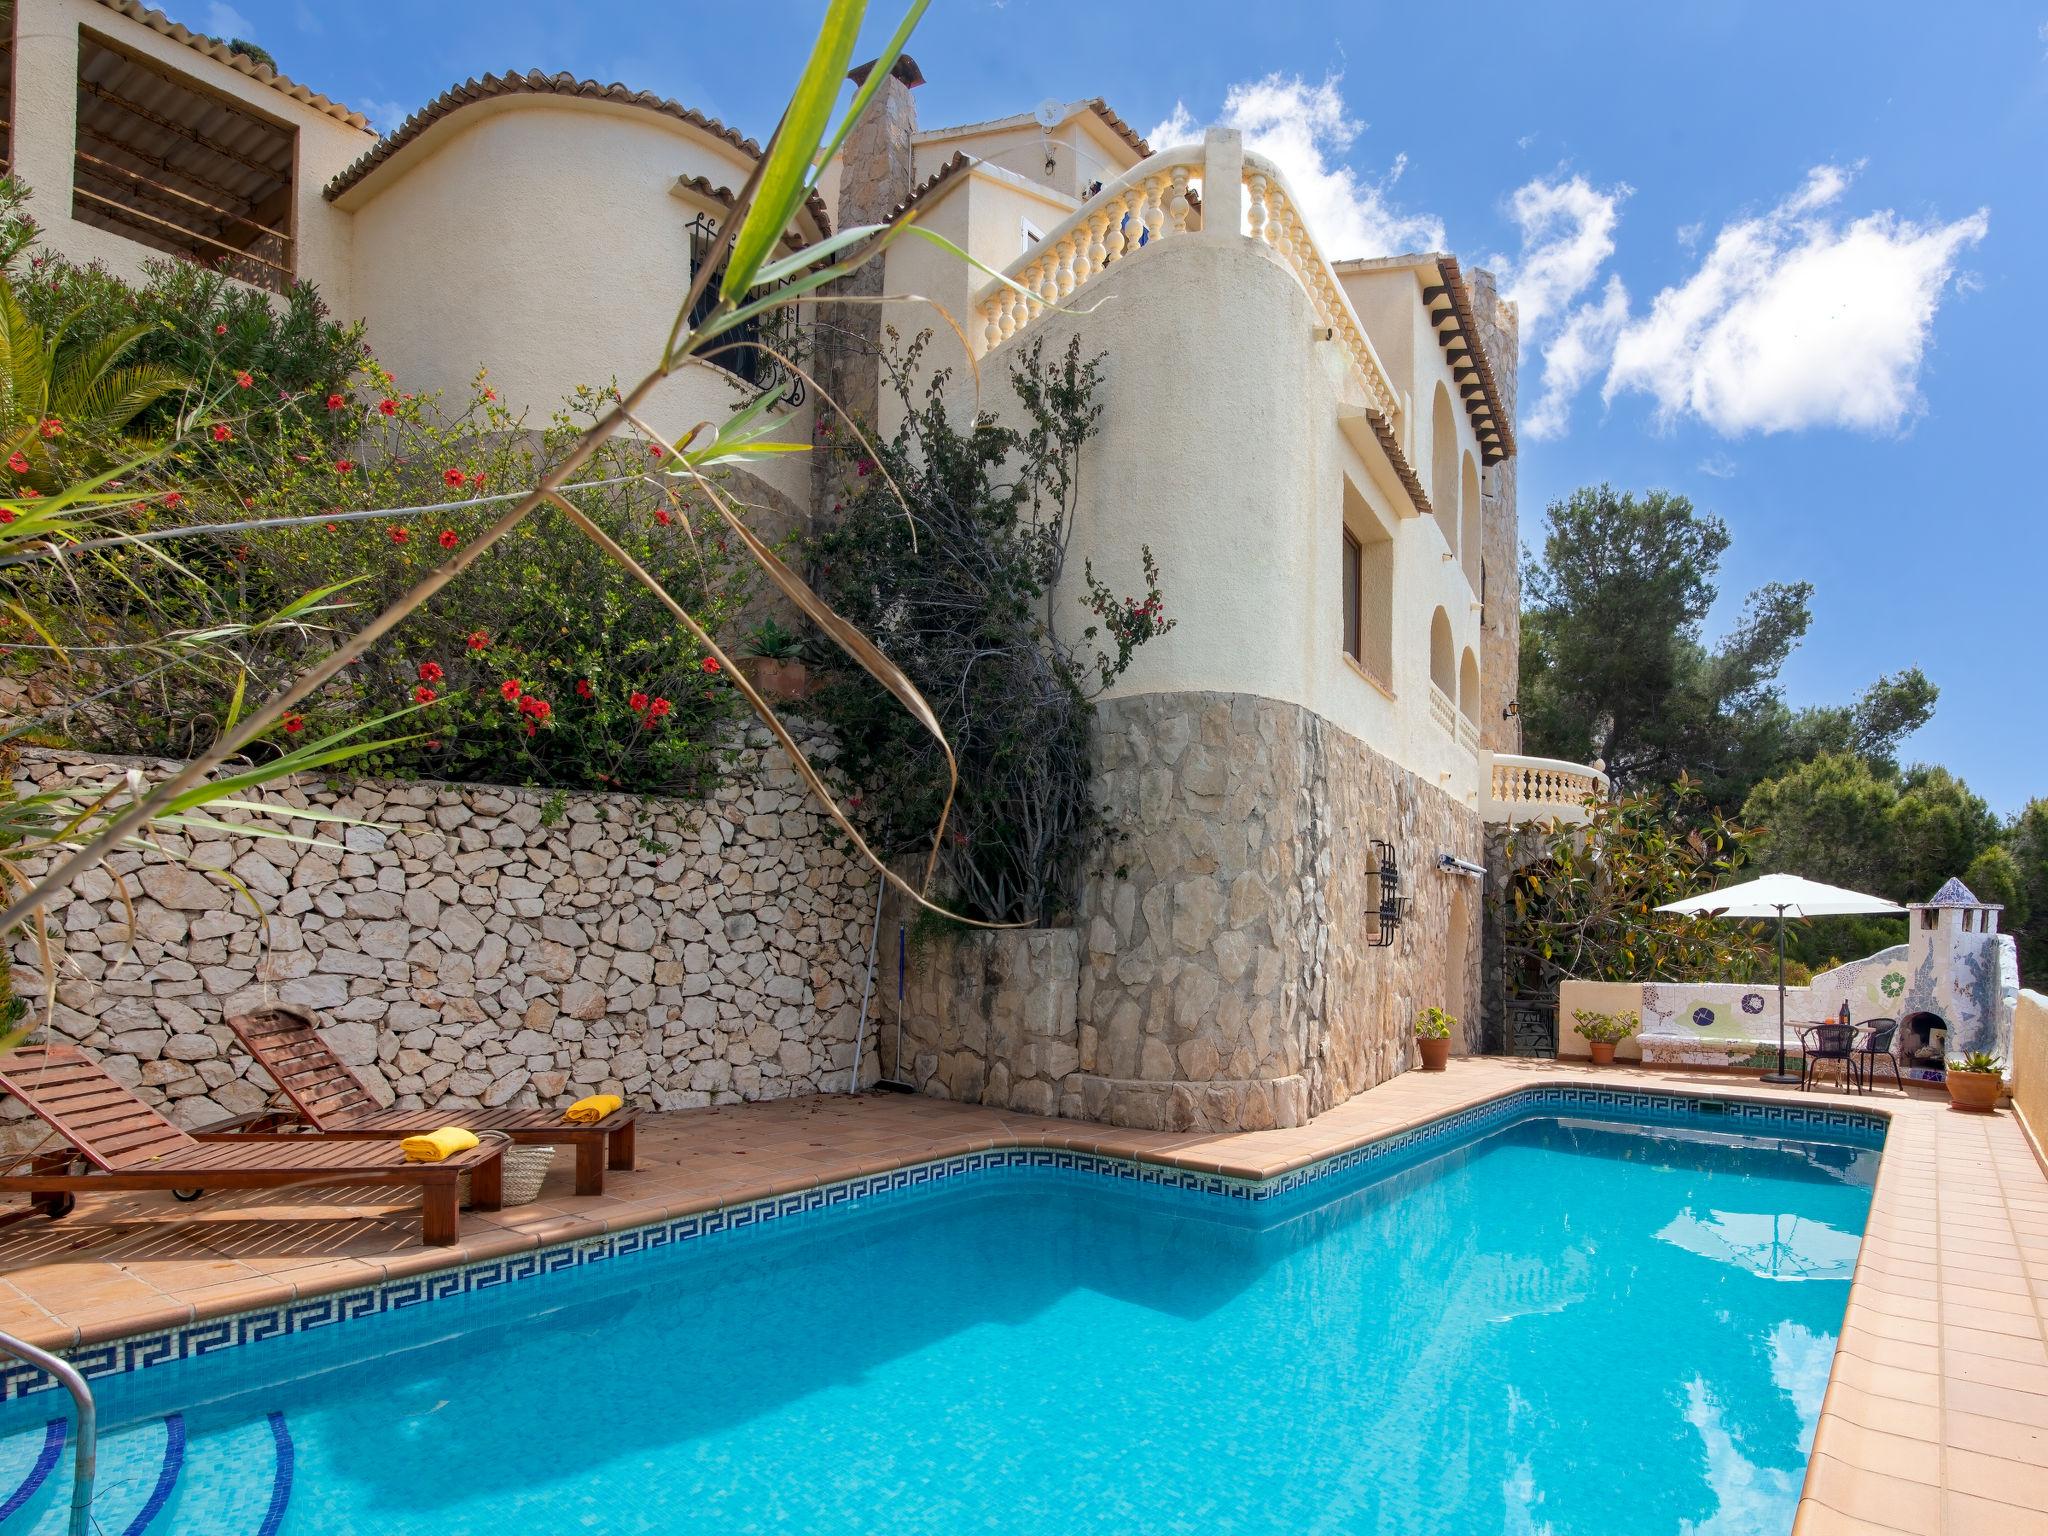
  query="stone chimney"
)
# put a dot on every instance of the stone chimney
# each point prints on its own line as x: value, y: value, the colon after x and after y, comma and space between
x: 874, y: 179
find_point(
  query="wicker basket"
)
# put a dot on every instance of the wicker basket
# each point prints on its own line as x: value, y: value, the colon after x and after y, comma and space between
x: 524, y: 1170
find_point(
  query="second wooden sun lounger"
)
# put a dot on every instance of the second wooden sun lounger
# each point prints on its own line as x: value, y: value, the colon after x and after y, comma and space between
x: 332, y: 1099
x: 128, y: 1145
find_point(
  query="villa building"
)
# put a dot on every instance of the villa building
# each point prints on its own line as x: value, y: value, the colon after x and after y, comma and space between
x: 1319, y: 450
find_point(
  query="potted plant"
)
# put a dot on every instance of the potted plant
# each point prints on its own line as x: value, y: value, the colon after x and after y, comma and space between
x: 1603, y: 1031
x: 1975, y: 1081
x: 1433, y: 1037
x: 772, y: 664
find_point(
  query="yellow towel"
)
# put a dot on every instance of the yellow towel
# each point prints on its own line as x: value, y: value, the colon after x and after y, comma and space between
x: 437, y: 1145
x: 593, y: 1109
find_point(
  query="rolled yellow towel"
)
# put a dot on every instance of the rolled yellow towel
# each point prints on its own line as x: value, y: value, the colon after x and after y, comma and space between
x: 435, y: 1146
x: 593, y: 1109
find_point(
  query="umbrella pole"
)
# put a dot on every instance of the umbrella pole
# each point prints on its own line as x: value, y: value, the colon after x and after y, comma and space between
x: 1781, y: 1075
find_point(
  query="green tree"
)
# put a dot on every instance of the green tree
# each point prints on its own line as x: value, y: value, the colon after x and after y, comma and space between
x: 1613, y: 663
x: 2028, y: 842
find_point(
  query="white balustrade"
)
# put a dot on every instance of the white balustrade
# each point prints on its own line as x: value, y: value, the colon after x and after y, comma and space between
x: 1156, y: 200
x: 1536, y: 788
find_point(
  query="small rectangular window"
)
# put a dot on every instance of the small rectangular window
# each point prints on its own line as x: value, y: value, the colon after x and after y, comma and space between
x: 1354, y: 560
x: 172, y: 165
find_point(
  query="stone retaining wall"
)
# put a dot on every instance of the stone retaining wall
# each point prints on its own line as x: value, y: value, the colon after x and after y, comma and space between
x: 473, y: 945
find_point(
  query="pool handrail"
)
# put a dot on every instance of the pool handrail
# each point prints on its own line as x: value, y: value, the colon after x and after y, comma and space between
x: 86, y: 1456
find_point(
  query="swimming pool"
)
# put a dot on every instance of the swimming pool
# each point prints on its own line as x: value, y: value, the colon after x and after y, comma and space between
x: 1569, y: 1320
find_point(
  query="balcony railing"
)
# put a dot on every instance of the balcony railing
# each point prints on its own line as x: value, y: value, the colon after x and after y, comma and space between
x: 1539, y: 788
x: 1209, y: 190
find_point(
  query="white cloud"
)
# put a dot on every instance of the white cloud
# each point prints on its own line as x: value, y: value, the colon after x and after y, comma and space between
x: 1567, y: 227
x: 1304, y: 130
x: 1797, y: 319
x: 225, y: 21
x: 1719, y: 465
x: 1574, y: 356
x: 384, y: 116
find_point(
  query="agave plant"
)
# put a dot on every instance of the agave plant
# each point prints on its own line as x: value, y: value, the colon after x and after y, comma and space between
x: 63, y: 406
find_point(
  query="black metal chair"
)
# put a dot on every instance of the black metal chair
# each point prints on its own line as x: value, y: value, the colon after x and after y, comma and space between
x: 1876, y: 1047
x: 1827, y: 1042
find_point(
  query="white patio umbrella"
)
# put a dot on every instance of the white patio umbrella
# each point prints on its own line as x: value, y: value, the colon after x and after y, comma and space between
x: 1783, y: 896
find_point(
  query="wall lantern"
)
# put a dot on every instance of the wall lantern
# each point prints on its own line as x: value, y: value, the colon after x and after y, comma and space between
x: 1383, y: 891
x: 1511, y: 709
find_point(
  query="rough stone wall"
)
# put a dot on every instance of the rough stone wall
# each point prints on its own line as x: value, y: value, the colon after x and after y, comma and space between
x: 1224, y: 976
x: 472, y: 945
x: 1500, y: 640
x: 988, y: 1018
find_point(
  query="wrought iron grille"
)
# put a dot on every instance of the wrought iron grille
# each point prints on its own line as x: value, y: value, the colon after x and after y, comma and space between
x: 743, y: 350
x: 1390, y: 907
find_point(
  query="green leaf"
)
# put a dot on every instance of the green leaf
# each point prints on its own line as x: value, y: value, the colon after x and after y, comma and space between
x: 785, y: 176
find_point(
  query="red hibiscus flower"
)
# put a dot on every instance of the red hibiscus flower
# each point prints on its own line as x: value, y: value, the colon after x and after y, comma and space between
x: 637, y: 701
x: 220, y: 330
x: 335, y: 402
x: 710, y: 664
x: 663, y: 518
x: 490, y: 394
x: 583, y: 689
x: 659, y: 708
x: 655, y: 450
x: 6, y: 514
x: 388, y: 406
x: 453, y: 477
x: 174, y: 499
x: 450, y: 538
x: 343, y: 466
x: 30, y: 493
x: 221, y: 434
x: 293, y: 724
x: 423, y: 695
x: 430, y: 672
x: 511, y: 688
x: 334, y: 527
x: 478, y: 640
x: 243, y: 379
x: 400, y: 535
x: 539, y: 708
x: 50, y: 427
x: 533, y: 730
x: 18, y: 462
x: 477, y: 479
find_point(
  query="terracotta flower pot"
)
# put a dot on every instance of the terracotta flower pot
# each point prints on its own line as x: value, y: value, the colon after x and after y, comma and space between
x: 1603, y: 1052
x: 783, y: 681
x: 1436, y: 1054
x: 1974, y: 1090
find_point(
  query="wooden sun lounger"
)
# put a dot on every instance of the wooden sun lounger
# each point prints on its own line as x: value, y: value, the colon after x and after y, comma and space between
x: 131, y: 1146
x: 332, y: 1099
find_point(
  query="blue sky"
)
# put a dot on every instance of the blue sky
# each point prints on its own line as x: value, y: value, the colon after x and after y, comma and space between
x: 1772, y: 256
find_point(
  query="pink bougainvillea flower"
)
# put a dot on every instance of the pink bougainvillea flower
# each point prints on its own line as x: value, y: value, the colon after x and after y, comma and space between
x: 450, y: 538
x: 583, y: 688
x: 478, y: 640
x: 400, y: 535
x: 430, y: 672
x: 636, y: 701
x: 388, y: 406
x: 243, y: 378
x: 18, y: 462
x: 50, y: 427
x: 222, y: 433
x: 710, y: 664
x: 293, y: 724
x: 453, y: 477
x: 423, y: 695
x: 335, y: 402
x: 864, y: 467
x: 511, y: 688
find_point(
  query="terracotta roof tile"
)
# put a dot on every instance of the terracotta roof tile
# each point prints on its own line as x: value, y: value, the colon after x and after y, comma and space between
x: 263, y: 74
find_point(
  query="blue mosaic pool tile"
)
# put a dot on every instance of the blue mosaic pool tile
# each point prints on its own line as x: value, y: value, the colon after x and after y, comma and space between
x: 144, y: 1350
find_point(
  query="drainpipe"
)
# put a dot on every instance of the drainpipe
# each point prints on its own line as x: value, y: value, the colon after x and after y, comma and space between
x: 84, y: 1468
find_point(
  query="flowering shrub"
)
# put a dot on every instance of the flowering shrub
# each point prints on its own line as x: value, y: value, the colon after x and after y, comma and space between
x: 962, y: 591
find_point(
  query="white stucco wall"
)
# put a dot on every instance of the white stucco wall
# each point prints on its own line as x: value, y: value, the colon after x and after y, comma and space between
x: 1221, y: 449
x: 1084, y: 149
x: 540, y: 236
x: 45, y: 130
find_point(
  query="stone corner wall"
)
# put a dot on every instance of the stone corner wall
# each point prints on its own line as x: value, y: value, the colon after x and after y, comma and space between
x: 1500, y: 638
x: 473, y: 945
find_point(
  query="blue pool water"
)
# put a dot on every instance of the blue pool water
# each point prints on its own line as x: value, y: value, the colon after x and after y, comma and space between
x: 1571, y: 1326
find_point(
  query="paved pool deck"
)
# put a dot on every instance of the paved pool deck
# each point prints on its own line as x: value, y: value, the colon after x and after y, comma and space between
x: 1936, y: 1414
